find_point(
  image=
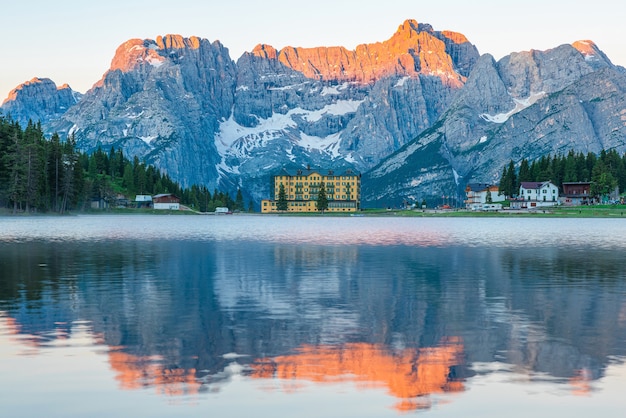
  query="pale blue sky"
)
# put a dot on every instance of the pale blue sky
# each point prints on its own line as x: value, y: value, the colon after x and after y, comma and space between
x: 73, y: 41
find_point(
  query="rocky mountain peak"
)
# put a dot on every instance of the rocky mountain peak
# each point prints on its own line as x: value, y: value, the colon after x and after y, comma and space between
x: 39, y: 99
x: 177, y: 42
x: 593, y: 55
x: 133, y: 53
x: 137, y: 52
x: 265, y: 51
x: 414, y: 49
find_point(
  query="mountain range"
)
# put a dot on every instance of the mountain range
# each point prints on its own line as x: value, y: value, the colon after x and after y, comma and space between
x: 420, y: 115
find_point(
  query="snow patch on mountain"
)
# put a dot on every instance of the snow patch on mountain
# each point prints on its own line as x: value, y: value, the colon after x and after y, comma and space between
x: 334, y: 90
x: 520, y: 104
x: 230, y: 131
x: 329, y: 145
x: 148, y: 139
x: 401, y: 81
x: 341, y: 107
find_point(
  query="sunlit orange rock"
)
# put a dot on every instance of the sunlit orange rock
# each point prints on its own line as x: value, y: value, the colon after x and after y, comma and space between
x: 581, y: 385
x: 408, y: 374
x: 409, y: 52
x: 135, y: 372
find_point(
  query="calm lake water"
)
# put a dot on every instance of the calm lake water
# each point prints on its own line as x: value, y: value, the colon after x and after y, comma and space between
x: 267, y: 316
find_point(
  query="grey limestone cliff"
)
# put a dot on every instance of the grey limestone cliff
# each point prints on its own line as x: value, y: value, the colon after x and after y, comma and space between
x: 421, y: 114
x: 525, y: 106
x: 39, y: 100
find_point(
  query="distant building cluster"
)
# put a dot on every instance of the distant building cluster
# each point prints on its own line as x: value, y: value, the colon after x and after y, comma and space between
x: 532, y: 194
x: 301, y: 191
x: 164, y: 201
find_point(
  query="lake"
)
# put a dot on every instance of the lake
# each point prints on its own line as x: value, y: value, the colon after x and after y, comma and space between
x: 281, y: 316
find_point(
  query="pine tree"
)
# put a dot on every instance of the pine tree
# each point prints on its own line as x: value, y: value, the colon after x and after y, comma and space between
x: 33, y: 153
x: 70, y: 164
x: 128, y: 177
x: 239, y: 205
x: 508, y: 180
x: 322, y: 200
x: 15, y: 169
x: 524, y: 173
x: 569, y: 170
x: 282, y: 204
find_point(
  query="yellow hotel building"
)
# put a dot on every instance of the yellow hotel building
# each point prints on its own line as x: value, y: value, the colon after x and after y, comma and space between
x: 343, y: 191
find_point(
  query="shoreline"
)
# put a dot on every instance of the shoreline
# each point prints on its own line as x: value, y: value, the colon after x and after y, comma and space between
x: 598, y: 211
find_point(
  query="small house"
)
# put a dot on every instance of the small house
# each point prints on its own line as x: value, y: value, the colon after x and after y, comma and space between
x: 99, y: 203
x: 576, y: 194
x: 534, y: 194
x: 479, y: 194
x: 166, y: 201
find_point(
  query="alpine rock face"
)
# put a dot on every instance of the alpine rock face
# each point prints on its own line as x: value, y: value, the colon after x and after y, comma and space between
x: 525, y: 106
x: 185, y: 106
x: 420, y: 114
x: 39, y: 100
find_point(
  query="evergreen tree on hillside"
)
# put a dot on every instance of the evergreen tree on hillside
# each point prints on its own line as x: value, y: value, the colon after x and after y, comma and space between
x: 603, y: 182
x: 14, y: 162
x: 570, y: 174
x: 508, y: 181
x: 239, y: 205
x: 524, y: 173
x: 39, y: 174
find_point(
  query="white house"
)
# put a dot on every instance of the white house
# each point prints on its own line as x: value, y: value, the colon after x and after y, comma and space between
x: 534, y: 194
x: 166, y: 201
x: 476, y: 195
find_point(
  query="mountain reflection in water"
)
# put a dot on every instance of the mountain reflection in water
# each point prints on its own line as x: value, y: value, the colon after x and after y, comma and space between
x: 408, y: 374
x: 187, y: 316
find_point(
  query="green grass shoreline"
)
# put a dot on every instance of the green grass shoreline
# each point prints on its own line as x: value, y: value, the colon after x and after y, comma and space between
x: 597, y: 211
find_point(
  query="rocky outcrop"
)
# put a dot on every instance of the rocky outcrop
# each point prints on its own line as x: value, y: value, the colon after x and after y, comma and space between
x: 413, y: 50
x: 39, y: 100
x: 162, y: 101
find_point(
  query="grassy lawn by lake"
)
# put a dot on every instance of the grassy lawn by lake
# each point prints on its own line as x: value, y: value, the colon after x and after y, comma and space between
x: 597, y: 211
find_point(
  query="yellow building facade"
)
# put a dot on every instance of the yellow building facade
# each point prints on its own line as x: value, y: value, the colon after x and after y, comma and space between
x: 343, y: 191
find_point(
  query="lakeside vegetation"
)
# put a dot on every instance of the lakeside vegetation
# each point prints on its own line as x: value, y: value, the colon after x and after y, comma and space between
x: 606, y: 172
x: 39, y: 175
x: 592, y: 211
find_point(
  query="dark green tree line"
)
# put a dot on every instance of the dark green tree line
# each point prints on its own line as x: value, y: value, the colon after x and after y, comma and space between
x: 606, y: 172
x: 51, y: 175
